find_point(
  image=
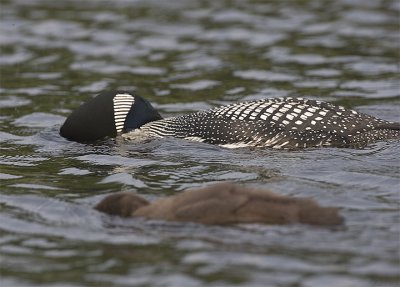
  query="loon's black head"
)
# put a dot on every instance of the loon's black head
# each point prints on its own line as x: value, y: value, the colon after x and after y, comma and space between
x: 106, y: 115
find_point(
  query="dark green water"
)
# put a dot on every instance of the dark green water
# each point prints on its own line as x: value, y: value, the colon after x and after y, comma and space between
x: 186, y: 56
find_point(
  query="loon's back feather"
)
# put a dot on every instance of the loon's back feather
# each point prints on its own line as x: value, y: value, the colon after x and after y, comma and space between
x: 389, y: 126
x: 278, y: 123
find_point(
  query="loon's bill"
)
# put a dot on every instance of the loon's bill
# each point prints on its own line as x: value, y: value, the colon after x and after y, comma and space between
x: 277, y: 123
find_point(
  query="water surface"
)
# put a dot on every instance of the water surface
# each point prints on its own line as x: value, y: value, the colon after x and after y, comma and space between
x: 186, y: 56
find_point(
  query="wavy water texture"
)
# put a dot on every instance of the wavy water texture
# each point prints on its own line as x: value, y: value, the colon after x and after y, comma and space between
x: 186, y: 56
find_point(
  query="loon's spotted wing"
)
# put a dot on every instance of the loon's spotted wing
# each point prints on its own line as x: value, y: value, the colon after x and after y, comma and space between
x: 297, y: 122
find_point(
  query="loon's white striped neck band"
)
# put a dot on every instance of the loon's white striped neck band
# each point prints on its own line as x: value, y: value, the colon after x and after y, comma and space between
x: 122, y: 104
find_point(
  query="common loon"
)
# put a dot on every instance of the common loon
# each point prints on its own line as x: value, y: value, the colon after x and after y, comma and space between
x: 222, y: 203
x: 277, y: 123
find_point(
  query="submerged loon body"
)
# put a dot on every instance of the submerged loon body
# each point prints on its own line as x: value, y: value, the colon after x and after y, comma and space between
x: 277, y: 123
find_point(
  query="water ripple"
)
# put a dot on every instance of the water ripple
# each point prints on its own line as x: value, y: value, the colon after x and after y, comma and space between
x: 185, y: 56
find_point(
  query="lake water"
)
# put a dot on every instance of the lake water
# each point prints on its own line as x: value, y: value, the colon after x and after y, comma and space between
x: 186, y: 56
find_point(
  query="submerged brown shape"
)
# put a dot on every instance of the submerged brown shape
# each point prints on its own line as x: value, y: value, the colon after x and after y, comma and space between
x: 122, y: 204
x: 223, y: 203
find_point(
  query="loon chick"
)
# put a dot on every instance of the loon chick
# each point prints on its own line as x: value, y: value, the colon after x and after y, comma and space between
x: 223, y: 203
x: 278, y: 123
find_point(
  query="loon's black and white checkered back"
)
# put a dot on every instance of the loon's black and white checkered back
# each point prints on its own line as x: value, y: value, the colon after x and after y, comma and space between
x: 278, y: 123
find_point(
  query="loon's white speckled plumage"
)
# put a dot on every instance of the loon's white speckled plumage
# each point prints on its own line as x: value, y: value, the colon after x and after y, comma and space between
x: 277, y: 123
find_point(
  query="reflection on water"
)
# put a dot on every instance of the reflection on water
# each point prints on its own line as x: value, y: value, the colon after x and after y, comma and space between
x: 186, y: 56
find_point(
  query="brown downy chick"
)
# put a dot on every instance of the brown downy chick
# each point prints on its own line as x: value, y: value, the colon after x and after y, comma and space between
x: 223, y: 203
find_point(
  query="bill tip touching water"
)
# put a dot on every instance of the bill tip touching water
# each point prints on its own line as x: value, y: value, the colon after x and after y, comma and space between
x: 223, y: 203
x: 277, y: 123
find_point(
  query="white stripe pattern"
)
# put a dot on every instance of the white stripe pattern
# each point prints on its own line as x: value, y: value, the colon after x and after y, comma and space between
x: 122, y: 105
